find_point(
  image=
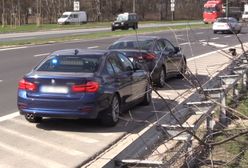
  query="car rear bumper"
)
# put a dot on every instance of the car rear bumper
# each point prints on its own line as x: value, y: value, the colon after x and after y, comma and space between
x: 81, y: 108
x: 60, y: 113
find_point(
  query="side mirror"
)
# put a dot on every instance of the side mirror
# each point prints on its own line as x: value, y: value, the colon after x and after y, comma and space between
x: 136, y: 66
x: 177, y: 49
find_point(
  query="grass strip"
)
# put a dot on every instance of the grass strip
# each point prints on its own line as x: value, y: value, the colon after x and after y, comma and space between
x: 96, y: 35
x: 90, y: 25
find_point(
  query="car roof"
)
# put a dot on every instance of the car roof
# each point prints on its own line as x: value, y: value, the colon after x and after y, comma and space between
x: 140, y: 38
x: 79, y: 52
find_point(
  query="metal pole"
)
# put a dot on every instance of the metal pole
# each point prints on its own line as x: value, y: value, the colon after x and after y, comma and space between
x: 19, y: 12
x: 134, y: 1
x: 227, y: 8
x: 3, y: 14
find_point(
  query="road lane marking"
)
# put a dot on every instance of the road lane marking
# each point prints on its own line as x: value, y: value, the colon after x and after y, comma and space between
x: 13, y: 48
x: 202, y: 40
x: 1, y: 81
x: 93, y: 47
x: 44, y: 143
x: 215, y: 38
x: 228, y: 36
x: 62, y: 133
x: 9, y: 116
x: 40, y: 55
x: 214, y: 44
x: 200, y: 33
x: 185, y: 43
x: 30, y: 156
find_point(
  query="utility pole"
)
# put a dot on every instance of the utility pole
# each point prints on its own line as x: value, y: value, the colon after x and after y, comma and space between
x: 37, y: 14
x: 227, y: 8
x: 134, y: 2
x: 3, y: 14
x: 19, y: 13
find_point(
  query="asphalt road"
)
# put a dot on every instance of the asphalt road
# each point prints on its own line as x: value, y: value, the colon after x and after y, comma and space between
x: 8, y: 37
x: 15, y: 62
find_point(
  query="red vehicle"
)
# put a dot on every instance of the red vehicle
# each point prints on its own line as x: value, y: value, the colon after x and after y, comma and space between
x: 212, y: 10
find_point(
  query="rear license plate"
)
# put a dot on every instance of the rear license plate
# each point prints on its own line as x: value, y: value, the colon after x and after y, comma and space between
x: 54, y: 89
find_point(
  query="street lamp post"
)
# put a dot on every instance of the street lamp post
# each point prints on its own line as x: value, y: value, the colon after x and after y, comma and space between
x: 134, y: 1
x: 227, y: 8
x: 3, y: 14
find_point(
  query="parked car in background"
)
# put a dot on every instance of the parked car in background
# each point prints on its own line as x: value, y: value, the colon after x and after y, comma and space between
x: 73, y: 17
x: 125, y: 21
x: 91, y: 84
x: 155, y: 54
x: 227, y: 25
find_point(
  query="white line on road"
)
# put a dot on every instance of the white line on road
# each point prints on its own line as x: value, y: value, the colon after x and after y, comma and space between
x: 40, y: 55
x: 200, y: 33
x: 215, y: 38
x: 13, y: 48
x: 93, y: 47
x: 179, y: 35
x: 57, y: 147
x: 65, y: 134
x: 1, y: 81
x: 214, y: 44
x: 29, y: 156
x: 228, y: 36
x: 184, y: 43
x: 202, y: 40
x: 9, y: 116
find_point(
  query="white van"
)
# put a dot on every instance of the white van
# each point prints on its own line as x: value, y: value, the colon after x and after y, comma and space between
x: 73, y: 17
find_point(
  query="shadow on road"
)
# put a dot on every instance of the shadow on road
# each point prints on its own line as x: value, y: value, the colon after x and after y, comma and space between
x: 131, y: 121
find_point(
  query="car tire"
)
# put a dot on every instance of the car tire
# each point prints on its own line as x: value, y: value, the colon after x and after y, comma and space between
x: 183, y: 68
x: 134, y: 27
x: 113, y: 29
x: 215, y: 31
x: 110, y: 116
x: 161, y: 79
x: 32, y: 118
x: 148, y: 96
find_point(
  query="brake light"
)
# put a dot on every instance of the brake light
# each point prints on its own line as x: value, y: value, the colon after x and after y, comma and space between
x: 88, y: 87
x: 149, y: 56
x: 25, y: 85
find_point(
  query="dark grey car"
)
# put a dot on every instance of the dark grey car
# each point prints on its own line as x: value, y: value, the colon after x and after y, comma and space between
x: 125, y: 21
x: 155, y: 54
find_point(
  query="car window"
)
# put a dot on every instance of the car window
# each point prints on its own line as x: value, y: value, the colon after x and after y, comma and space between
x: 160, y: 46
x: 108, y: 69
x: 116, y: 64
x: 144, y: 45
x: 71, y: 63
x: 168, y: 46
x: 128, y: 66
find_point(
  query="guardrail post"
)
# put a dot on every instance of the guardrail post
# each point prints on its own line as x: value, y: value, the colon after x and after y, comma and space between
x: 235, y: 94
x: 246, y: 80
x: 223, y: 117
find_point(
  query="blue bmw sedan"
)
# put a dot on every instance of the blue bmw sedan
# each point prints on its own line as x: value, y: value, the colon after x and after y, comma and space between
x: 75, y: 83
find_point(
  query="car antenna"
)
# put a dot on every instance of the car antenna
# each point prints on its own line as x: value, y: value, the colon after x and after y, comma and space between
x: 76, y: 51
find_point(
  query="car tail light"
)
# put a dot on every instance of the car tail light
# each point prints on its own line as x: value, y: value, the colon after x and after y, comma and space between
x: 149, y: 56
x: 25, y: 85
x: 88, y: 87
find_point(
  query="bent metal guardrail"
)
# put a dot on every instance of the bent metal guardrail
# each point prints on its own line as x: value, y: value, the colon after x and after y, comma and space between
x: 212, y: 97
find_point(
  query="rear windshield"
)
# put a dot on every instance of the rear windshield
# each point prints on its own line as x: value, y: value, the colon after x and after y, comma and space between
x: 122, y: 17
x: 143, y: 45
x: 87, y: 64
